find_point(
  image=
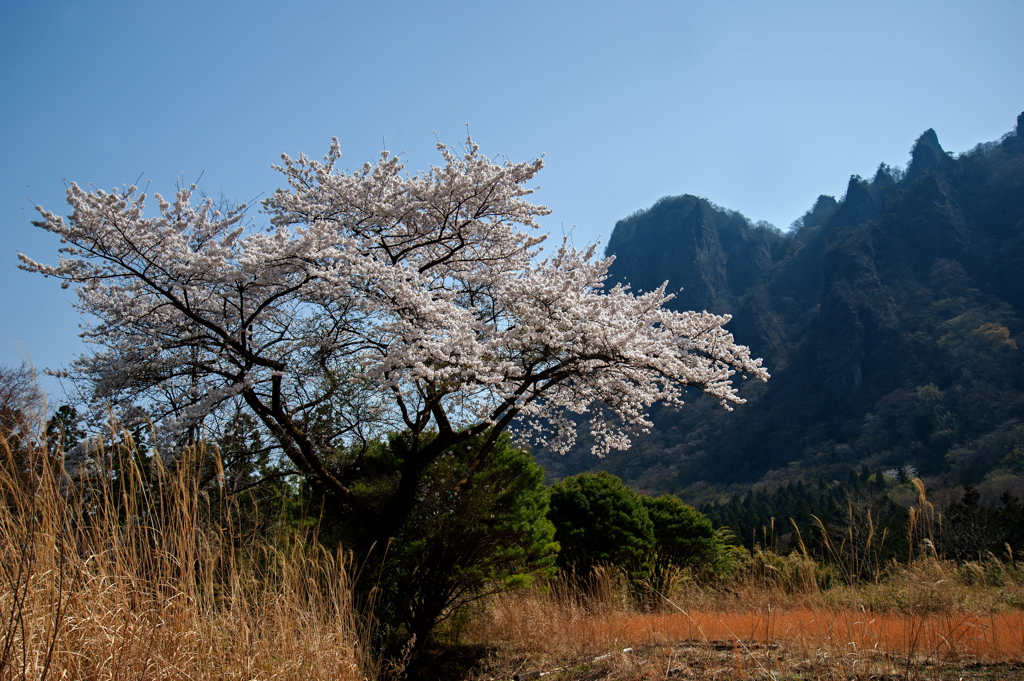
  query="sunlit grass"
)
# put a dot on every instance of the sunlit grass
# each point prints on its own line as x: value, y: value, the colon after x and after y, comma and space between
x: 112, y: 567
x: 107, y: 572
x: 929, y: 612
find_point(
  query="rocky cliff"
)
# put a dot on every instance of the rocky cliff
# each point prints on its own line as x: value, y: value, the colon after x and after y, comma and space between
x: 890, y: 319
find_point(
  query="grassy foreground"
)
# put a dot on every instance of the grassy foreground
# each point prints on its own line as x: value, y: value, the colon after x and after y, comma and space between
x: 104, y: 577
x: 110, y: 572
x: 925, y: 621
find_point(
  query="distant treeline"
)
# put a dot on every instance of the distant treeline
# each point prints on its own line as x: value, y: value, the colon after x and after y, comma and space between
x: 967, y: 529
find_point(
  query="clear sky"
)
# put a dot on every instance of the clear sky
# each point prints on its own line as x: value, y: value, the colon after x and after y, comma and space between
x: 759, y: 107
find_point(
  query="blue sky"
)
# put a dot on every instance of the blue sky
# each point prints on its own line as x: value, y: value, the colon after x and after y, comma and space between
x: 759, y: 107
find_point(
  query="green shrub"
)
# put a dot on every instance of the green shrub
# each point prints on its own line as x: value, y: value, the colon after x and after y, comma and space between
x: 478, y: 526
x: 600, y: 521
x: 683, y: 539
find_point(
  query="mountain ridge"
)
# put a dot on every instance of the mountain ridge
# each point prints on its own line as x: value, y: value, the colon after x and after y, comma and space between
x: 908, y: 283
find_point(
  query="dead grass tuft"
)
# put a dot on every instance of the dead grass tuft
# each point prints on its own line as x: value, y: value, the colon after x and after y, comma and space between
x: 107, y: 573
x: 745, y: 628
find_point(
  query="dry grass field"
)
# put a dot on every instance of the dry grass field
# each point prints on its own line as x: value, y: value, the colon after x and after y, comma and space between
x: 105, y: 577
x: 772, y: 637
x: 927, y: 619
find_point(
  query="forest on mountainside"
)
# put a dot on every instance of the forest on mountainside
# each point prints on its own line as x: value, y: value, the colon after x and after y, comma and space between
x: 891, y: 321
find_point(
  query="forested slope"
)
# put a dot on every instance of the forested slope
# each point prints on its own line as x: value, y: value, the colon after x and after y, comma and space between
x: 891, y: 321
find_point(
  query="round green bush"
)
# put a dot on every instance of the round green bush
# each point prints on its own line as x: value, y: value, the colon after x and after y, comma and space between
x: 600, y: 521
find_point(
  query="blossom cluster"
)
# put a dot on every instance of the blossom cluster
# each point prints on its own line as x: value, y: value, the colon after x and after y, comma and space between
x: 420, y: 300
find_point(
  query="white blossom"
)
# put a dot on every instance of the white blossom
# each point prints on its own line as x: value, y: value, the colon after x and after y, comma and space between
x: 421, y: 299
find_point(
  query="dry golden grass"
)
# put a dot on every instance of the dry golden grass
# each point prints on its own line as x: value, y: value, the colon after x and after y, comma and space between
x: 122, y: 574
x: 110, y: 576
x: 755, y: 628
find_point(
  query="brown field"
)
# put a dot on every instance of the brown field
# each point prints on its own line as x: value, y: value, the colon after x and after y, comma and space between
x: 542, y: 632
x: 125, y: 580
x: 929, y: 618
x: 996, y: 637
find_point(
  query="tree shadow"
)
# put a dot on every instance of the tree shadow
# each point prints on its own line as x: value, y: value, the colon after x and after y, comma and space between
x: 447, y: 661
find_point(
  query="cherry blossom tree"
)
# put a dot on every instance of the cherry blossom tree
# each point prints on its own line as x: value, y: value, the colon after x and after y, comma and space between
x: 375, y: 299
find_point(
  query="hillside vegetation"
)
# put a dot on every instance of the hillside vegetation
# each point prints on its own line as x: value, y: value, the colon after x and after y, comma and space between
x: 890, y: 319
x: 125, y: 569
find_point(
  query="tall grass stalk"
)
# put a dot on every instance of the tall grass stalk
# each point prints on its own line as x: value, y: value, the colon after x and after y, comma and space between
x: 114, y: 569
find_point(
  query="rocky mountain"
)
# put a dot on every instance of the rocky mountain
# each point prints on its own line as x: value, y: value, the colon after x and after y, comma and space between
x: 891, y: 320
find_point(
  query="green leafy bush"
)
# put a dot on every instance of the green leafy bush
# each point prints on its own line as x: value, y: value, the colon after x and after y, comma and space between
x: 683, y: 538
x: 598, y: 520
x: 479, y: 525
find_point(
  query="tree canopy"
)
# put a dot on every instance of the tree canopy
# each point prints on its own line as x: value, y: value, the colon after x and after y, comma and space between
x: 455, y: 548
x: 375, y: 301
x: 598, y: 520
x: 683, y: 536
